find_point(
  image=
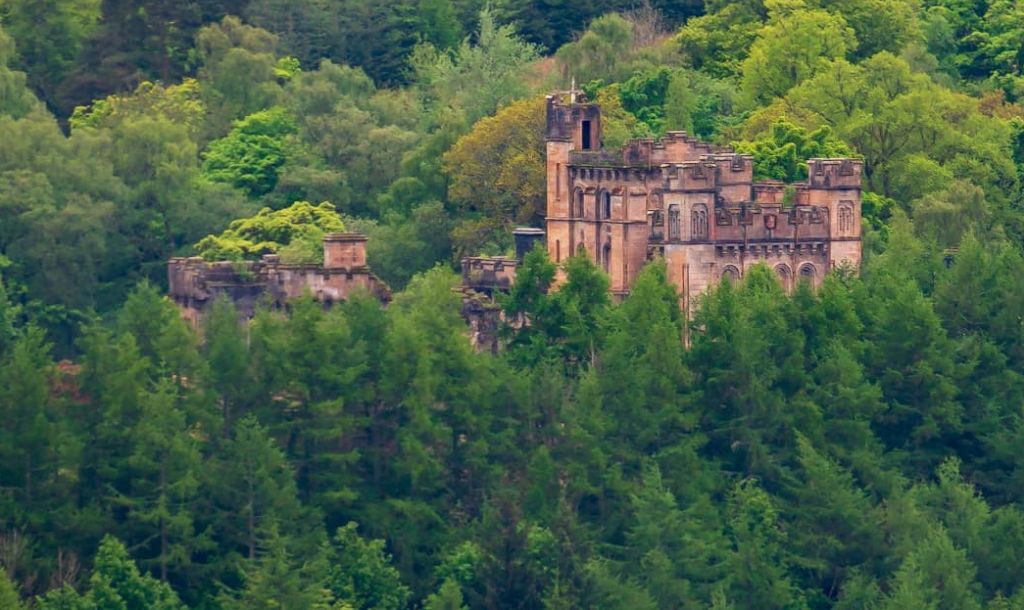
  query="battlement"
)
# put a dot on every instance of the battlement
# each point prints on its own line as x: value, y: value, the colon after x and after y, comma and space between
x: 692, y: 203
x: 486, y: 274
x: 834, y: 173
x: 571, y: 119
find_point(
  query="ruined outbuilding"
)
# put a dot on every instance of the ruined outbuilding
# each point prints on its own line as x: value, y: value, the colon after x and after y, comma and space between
x: 195, y: 283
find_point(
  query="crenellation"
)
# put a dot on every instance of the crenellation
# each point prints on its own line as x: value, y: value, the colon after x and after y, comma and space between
x: 704, y: 214
x: 693, y: 204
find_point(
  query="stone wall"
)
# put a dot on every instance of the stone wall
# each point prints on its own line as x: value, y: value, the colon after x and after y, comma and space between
x: 194, y: 284
x: 694, y: 204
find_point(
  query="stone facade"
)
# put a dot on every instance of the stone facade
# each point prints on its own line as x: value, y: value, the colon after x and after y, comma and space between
x: 693, y: 204
x: 194, y: 283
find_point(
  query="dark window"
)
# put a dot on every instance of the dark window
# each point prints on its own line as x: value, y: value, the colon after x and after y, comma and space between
x: 783, y: 272
x: 607, y: 262
x: 606, y: 205
x: 673, y: 222
x: 586, y: 135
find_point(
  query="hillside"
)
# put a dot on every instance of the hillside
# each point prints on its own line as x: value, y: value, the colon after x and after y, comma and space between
x: 849, y: 445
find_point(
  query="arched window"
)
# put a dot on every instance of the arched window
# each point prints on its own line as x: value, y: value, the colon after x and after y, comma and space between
x: 730, y: 273
x: 807, y: 272
x: 578, y: 212
x: 699, y: 222
x: 673, y: 222
x: 606, y: 258
x: 657, y: 222
x: 845, y: 219
x: 784, y: 275
x: 606, y: 205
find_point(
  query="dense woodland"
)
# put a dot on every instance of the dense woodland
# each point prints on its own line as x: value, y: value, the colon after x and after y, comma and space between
x: 854, y: 446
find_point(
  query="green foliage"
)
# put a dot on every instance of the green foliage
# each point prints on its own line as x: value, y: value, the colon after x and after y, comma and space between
x: 782, y: 154
x: 475, y: 79
x: 792, y: 46
x: 15, y: 98
x: 361, y: 573
x: 717, y: 42
x: 9, y: 597
x: 497, y: 172
x: 599, y: 53
x: 181, y: 103
x: 296, y: 233
x: 117, y: 583
x: 251, y: 155
x: 854, y: 445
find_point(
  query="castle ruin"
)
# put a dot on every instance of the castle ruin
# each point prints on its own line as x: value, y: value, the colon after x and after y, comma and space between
x: 194, y: 284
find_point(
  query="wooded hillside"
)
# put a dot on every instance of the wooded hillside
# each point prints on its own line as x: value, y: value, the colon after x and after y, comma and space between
x: 854, y: 446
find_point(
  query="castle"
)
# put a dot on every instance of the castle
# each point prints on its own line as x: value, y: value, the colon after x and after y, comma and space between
x: 694, y: 205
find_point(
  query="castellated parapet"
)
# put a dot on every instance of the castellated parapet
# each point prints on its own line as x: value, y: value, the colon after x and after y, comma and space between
x: 693, y: 204
x: 195, y: 283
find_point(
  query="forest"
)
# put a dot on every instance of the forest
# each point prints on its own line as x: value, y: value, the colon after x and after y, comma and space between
x: 852, y: 446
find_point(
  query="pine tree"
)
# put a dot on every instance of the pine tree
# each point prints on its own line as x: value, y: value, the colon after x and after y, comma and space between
x: 252, y: 489
x: 166, y: 464
x: 936, y: 575
x: 117, y: 583
x: 447, y: 597
x: 361, y: 573
x: 30, y: 434
x: 276, y: 579
x: 757, y: 567
x: 10, y: 600
x: 834, y: 526
x: 227, y: 358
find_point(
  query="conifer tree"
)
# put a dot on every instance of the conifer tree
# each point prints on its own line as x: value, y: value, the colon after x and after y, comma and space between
x: 9, y: 598
x: 252, y: 488
x: 758, y: 566
x: 227, y: 358
x: 166, y: 465
x: 834, y: 526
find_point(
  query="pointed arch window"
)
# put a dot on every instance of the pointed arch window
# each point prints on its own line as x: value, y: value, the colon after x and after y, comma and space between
x: 845, y: 218
x: 578, y: 211
x: 674, y: 229
x: 606, y: 205
x: 699, y: 222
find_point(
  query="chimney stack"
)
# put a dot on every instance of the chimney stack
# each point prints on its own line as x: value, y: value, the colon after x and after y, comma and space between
x: 344, y: 250
x: 526, y: 239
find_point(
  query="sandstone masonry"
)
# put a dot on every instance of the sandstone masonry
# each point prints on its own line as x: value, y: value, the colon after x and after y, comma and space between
x: 693, y: 204
x: 195, y: 283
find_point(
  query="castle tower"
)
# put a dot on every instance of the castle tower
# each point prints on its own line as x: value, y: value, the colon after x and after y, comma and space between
x: 836, y: 184
x: 571, y: 126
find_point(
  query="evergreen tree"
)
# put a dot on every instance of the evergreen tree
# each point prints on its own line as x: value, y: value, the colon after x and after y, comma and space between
x: 758, y: 566
x: 165, y: 463
x: 361, y: 574
x: 10, y: 600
